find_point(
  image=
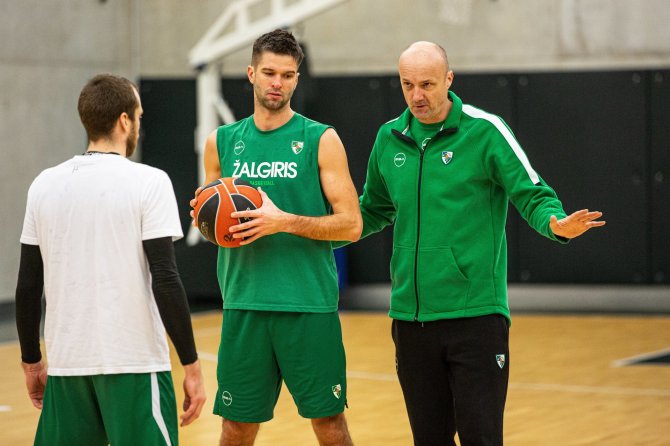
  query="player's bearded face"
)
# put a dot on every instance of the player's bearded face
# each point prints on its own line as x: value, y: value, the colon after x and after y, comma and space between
x: 275, y: 78
x: 273, y: 98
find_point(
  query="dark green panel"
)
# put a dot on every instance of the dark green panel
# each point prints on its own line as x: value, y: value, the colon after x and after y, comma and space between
x: 168, y: 143
x: 659, y: 175
x: 239, y: 96
x: 493, y: 93
x: 585, y: 134
x: 356, y: 107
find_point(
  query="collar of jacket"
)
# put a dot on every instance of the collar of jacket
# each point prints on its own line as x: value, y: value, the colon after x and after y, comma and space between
x: 401, y: 125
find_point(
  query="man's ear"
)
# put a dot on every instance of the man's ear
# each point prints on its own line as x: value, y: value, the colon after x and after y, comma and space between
x: 124, y: 120
x: 297, y: 78
x: 251, y: 74
x: 450, y: 78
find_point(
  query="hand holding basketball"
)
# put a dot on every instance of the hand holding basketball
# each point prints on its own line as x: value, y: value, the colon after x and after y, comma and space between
x: 192, y: 203
x: 266, y: 220
x: 214, y: 204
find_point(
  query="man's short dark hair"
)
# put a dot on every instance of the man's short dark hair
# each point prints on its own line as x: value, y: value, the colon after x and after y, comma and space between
x: 102, y: 100
x: 278, y: 41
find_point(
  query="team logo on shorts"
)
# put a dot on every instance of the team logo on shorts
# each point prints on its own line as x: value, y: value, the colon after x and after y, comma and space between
x: 399, y: 159
x: 227, y: 398
x: 500, y: 359
x: 239, y: 147
x: 447, y: 156
x: 337, y: 391
x: 297, y: 146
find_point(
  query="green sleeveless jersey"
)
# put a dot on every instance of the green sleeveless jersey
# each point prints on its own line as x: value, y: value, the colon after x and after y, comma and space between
x: 279, y: 272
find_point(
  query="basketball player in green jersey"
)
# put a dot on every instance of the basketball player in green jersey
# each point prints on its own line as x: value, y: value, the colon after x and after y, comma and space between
x: 280, y: 320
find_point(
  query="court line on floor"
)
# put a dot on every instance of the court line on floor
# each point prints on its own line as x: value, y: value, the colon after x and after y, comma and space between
x: 642, y: 357
x: 205, y: 356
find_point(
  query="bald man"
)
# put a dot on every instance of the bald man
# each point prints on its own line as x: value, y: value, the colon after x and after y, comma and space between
x: 443, y: 173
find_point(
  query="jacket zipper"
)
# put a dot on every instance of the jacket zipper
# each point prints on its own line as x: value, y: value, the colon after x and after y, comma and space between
x: 406, y: 138
x: 418, y: 234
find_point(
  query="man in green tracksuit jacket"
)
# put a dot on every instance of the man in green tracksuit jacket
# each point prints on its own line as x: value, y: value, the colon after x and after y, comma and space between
x: 442, y: 173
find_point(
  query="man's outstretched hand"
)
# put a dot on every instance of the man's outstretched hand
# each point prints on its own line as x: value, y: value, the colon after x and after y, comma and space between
x: 576, y: 223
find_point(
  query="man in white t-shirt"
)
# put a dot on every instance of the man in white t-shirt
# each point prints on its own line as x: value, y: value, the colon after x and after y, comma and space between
x: 98, y: 240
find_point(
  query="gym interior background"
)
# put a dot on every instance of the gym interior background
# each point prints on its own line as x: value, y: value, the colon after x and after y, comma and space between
x: 584, y: 85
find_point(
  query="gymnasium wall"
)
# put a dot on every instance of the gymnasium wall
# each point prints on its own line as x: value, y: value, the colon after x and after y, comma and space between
x: 48, y: 50
x: 363, y: 36
x: 51, y: 47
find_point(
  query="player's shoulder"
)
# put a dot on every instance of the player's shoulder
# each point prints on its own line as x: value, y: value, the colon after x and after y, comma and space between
x: 145, y: 172
x: 54, y: 171
x: 476, y: 116
x: 310, y: 123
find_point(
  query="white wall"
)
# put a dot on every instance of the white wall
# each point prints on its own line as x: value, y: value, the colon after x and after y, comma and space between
x: 365, y: 36
x: 49, y: 48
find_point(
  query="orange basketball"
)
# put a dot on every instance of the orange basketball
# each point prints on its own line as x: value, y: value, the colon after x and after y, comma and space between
x: 215, y: 204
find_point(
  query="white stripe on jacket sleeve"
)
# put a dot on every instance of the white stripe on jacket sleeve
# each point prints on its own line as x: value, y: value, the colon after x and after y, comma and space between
x: 504, y: 131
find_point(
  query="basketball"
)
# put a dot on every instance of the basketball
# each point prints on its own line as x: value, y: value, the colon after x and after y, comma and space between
x: 217, y: 201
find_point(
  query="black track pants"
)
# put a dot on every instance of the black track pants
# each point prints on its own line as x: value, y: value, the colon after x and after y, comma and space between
x: 454, y: 375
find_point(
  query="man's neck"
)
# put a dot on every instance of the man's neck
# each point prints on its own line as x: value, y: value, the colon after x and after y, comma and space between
x: 267, y: 120
x: 106, y: 146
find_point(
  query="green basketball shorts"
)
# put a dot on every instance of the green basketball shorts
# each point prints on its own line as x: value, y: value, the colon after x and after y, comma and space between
x: 122, y: 409
x: 259, y: 349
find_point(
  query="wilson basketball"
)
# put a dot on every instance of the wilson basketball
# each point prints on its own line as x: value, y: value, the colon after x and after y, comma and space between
x: 215, y: 204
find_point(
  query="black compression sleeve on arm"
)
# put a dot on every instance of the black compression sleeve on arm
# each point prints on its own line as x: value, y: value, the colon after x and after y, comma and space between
x: 29, y: 288
x: 171, y: 297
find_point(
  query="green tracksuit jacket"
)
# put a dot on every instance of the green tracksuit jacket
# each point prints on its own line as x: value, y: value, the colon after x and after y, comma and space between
x: 449, y: 206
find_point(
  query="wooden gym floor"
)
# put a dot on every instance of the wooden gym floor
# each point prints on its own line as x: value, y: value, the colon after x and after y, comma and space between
x: 566, y: 386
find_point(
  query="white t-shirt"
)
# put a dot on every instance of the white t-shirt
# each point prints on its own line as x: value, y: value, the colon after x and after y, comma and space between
x: 89, y: 216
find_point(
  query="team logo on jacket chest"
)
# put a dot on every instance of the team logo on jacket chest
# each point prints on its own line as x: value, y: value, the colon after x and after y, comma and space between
x: 447, y: 156
x: 399, y: 159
